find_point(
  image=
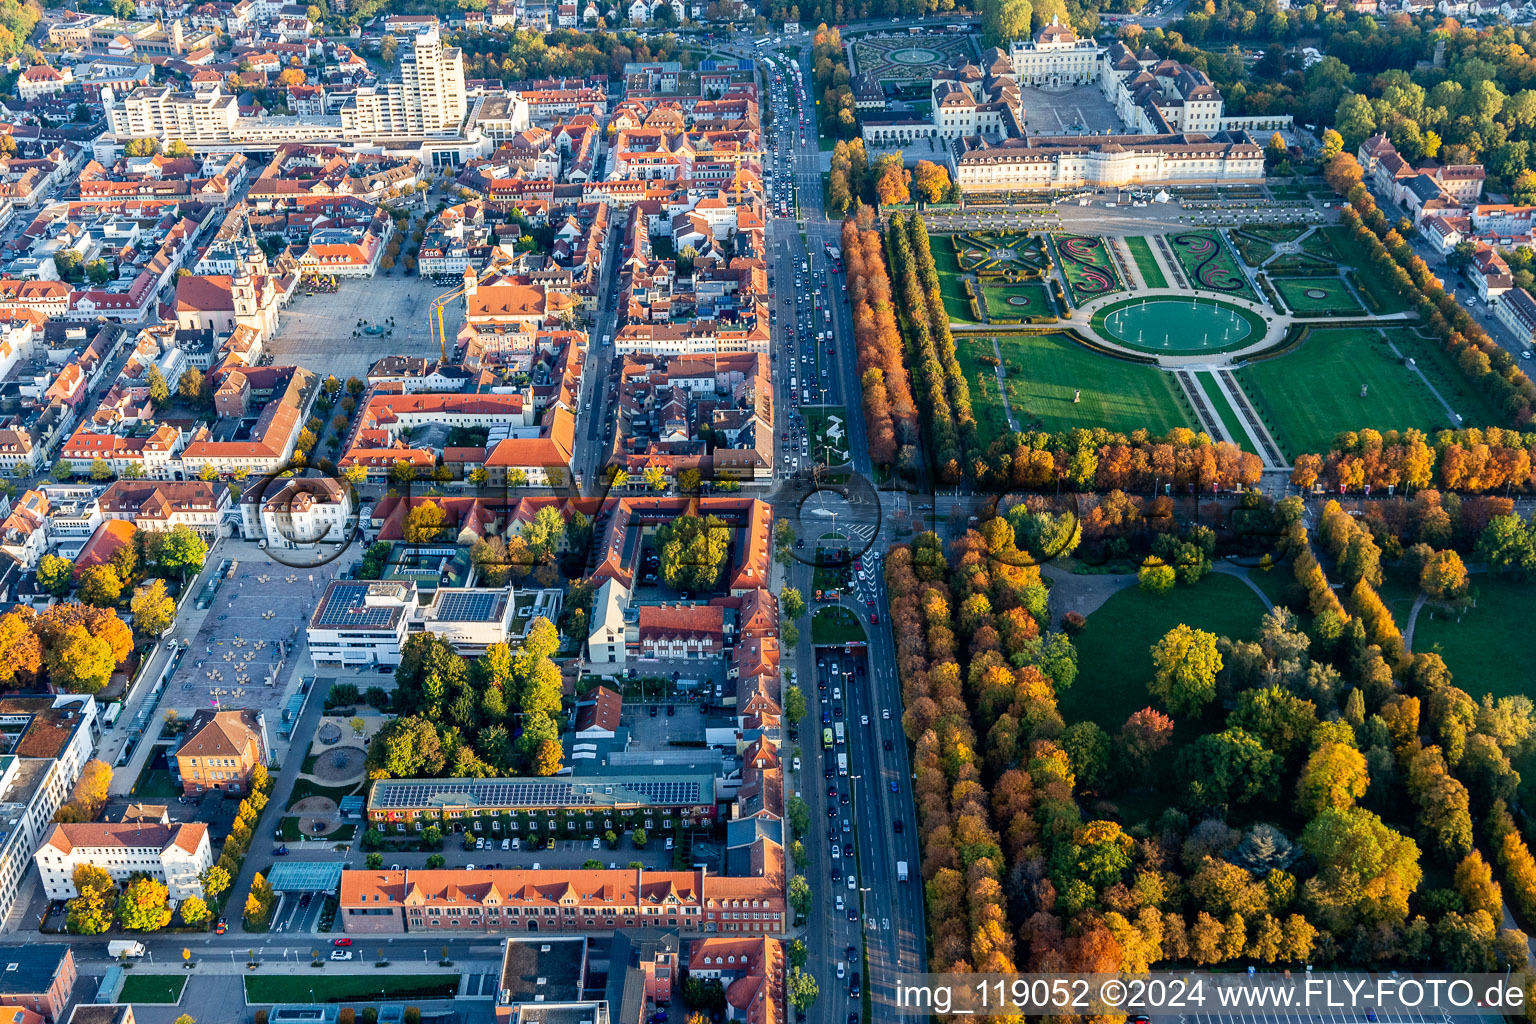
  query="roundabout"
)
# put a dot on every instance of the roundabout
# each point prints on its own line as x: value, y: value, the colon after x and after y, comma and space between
x: 1178, y: 326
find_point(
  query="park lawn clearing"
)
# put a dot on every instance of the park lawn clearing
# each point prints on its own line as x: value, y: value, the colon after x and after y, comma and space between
x: 349, y: 988
x: 1045, y: 369
x: 1311, y: 395
x: 1378, y: 286
x: 1476, y: 409
x: 1141, y: 252
x: 1114, y: 659
x: 1224, y: 410
x: 1317, y: 296
x: 951, y: 285
x: 986, y: 399
x: 1209, y: 264
x: 1480, y: 644
x: 164, y: 989
x: 836, y: 625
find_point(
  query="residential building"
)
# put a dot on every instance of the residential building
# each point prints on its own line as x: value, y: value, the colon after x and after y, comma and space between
x: 174, y: 854
x: 428, y: 100
x: 1517, y: 311
x: 220, y: 751
x: 165, y: 505
x: 298, y: 512
x: 45, y: 742
x: 607, y: 649
x: 683, y: 631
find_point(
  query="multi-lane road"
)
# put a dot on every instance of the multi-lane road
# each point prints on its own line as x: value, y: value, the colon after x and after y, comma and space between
x: 858, y: 902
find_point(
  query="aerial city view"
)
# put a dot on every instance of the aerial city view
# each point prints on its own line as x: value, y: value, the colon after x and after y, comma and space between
x: 684, y: 511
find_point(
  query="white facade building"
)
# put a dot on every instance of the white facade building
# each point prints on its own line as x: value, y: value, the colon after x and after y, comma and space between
x: 1056, y: 58
x: 361, y: 623
x: 428, y: 100
x: 175, y: 854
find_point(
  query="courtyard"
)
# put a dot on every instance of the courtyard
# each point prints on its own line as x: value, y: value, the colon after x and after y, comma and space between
x: 317, y: 330
x: 1057, y: 111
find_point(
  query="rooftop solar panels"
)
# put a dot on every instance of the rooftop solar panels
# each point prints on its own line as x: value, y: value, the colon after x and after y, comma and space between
x: 345, y: 607
x: 683, y: 791
x: 470, y: 605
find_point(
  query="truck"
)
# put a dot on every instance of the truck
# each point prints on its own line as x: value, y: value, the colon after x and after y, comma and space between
x: 901, y: 871
x: 842, y: 764
x: 842, y: 736
x: 125, y: 947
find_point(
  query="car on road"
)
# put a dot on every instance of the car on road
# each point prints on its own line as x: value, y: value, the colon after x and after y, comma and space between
x: 341, y: 942
x: 852, y: 954
x: 341, y: 954
x: 842, y: 971
x: 887, y: 744
x: 895, y: 786
x: 885, y: 713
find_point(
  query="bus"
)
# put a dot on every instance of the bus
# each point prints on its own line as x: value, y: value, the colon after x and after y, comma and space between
x: 841, y: 735
x: 826, y: 738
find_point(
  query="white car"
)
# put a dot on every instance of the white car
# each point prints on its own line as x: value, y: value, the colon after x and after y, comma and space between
x: 836, y: 853
x: 853, y: 883
x: 837, y: 693
x: 596, y: 843
x: 863, y: 719
x: 341, y: 954
x: 517, y: 844
x: 885, y: 713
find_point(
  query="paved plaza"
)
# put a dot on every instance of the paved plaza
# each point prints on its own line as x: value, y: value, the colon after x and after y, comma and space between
x: 256, y: 617
x: 317, y: 330
x: 1054, y: 111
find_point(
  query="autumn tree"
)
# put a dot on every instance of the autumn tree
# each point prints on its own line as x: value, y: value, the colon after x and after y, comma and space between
x: 144, y: 905
x: 90, y: 793
x: 930, y: 181
x: 89, y: 912
x: 1185, y: 664
x: 55, y: 575
x: 100, y: 586
x: 892, y: 181
x: 1444, y: 577
x: 424, y: 523
x: 153, y: 609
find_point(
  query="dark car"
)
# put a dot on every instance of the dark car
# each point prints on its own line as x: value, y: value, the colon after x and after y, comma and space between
x: 887, y: 744
x: 653, y: 710
x: 853, y: 985
x: 897, y: 827
x: 671, y: 710
x: 830, y: 771
x: 832, y: 812
x: 853, y: 915
x: 852, y: 954
x: 831, y: 792
x: 837, y: 876
x: 842, y: 798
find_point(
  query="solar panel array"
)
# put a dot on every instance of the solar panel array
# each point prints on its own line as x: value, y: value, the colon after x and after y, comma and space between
x: 346, y: 608
x: 468, y: 606
x: 514, y: 793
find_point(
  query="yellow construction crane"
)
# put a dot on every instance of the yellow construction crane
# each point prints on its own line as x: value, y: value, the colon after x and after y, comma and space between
x: 499, y: 260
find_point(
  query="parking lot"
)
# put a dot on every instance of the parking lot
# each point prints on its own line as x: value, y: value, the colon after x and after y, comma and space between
x: 316, y: 330
x: 684, y: 725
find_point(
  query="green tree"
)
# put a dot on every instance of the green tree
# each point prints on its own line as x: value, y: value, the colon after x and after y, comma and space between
x: 1185, y: 663
x: 1365, y: 870
x: 1229, y: 767
x: 190, y: 384
x: 791, y: 602
x: 693, y: 551
x: 1155, y: 577
x: 1505, y: 546
x: 183, y: 551
x: 1103, y: 853
x: 799, y: 815
x: 144, y: 906
x: 55, y: 575
x: 640, y: 838
x: 800, y: 895
x: 68, y: 263
x: 159, y: 390
x: 100, y: 586
x: 802, y: 988
x: 794, y: 705
x: 101, y: 469
x: 1088, y: 748
x: 373, y: 861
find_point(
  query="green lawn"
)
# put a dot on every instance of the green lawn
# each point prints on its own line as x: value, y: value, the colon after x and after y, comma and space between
x: 1481, y: 644
x: 351, y: 988
x: 1114, y: 660
x: 817, y: 420
x: 156, y: 782
x: 1036, y: 298
x: 951, y: 287
x: 1440, y: 367
x: 1224, y: 410
x: 1319, y: 296
x: 1309, y: 396
x: 986, y: 400
x: 836, y: 625
x: 1377, y: 286
x: 152, y: 988
x: 1045, y: 370
x: 1141, y: 252
x: 1208, y: 263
